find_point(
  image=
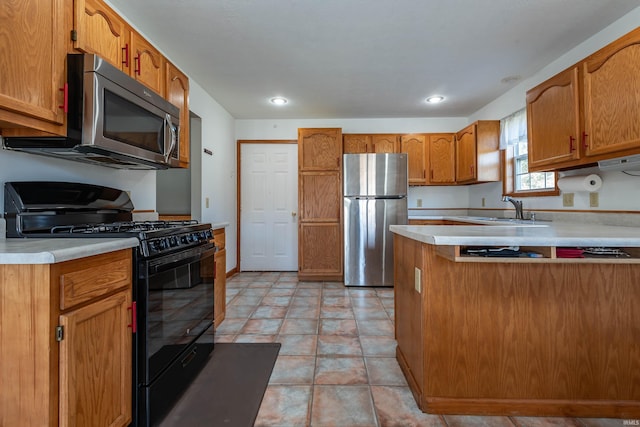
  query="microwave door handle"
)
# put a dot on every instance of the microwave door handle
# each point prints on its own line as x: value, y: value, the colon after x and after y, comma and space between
x: 172, y: 132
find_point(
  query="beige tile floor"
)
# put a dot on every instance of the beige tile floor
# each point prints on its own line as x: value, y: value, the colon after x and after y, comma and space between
x: 337, y: 363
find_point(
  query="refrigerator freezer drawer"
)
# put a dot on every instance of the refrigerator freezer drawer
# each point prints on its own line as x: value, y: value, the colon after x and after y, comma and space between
x: 368, y: 243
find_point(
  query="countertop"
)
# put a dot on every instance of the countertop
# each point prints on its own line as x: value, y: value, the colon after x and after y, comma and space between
x: 49, y: 251
x: 489, y: 232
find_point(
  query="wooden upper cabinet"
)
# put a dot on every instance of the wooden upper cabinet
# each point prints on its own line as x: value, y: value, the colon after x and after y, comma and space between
x: 385, y: 143
x: 101, y: 31
x: 466, y: 154
x: 147, y: 64
x: 588, y: 112
x: 477, y: 153
x: 177, y: 92
x: 415, y: 145
x: 356, y: 143
x: 442, y: 167
x: 553, y: 121
x: 371, y: 143
x: 32, y: 71
x: 320, y: 149
x: 611, y: 82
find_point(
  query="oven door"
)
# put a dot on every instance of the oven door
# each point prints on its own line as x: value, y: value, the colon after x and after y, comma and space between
x: 175, y: 306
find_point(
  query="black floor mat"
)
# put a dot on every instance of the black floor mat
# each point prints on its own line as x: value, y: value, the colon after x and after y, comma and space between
x: 229, y: 389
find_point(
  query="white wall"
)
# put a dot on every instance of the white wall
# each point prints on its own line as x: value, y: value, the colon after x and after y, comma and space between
x: 619, y: 191
x: 219, y: 182
x: 16, y: 166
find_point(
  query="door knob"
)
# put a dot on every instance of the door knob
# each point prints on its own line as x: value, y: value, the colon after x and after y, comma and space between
x: 293, y: 214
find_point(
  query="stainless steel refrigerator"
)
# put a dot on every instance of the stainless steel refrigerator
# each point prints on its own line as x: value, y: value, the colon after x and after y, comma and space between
x: 375, y: 197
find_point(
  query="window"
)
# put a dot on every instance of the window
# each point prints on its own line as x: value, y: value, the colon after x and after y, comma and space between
x: 518, y: 180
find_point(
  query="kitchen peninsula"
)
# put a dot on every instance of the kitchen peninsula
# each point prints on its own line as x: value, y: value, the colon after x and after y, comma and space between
x: 528, y: 335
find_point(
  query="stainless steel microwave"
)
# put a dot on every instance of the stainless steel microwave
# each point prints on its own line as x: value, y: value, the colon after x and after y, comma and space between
x: 112, y: 120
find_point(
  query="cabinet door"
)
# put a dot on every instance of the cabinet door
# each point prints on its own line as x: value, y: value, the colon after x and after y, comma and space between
x: 385, y: 144
x: 32, y: 72
x: 320, y: 249
x: 148, y: 64
x: 611, y: 100
x: 415, y: 146
x: 320, y: 196
x: 178, y: 94
x: 442, y: 167
x: 466, y: 154
x: 356, y: 144
x: 220, y: 288
x: 101, y: 31
x: 553, y: 121
x: 95, y: 363
x: 319, y: 149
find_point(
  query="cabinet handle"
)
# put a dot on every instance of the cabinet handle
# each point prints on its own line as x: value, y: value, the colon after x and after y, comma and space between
x: 431, y: 173
x: 134, y: 317
x: 424, y: 173
x: 125, y: 51
x: 584, y: 140
x: 138, y: 65
x: 65, y: 98
x: 571, y: 140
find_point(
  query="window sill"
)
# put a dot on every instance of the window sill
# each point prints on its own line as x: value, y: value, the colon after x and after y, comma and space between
x: 534, y: 193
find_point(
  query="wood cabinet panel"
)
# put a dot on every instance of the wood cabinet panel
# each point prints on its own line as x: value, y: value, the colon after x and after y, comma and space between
x: 220, y: 287
x: 95, y: 364
x: 553, y: 120
x: 101, y: 31
x: 33, y: 64
x: 385, y: 143
x: 177, y: 92
x: 319, y: 149
x: 466, y: 154
x: 611, y: 80
x: 85, y: 279
x: 442, y: 167
x: 319, y: 252
x: 415, y: 145
x: 320, y: 196
x: 356, y: 143
x: 409, y: 312
x: 148, y: 65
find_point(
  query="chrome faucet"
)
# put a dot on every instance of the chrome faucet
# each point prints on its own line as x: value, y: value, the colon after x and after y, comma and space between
x: 517, y: 204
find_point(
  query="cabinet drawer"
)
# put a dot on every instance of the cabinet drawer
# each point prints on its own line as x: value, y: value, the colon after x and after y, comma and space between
x: 84, y: 279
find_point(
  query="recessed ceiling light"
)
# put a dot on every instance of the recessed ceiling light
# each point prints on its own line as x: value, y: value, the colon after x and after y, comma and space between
x: 278, y: 100
x: 435, y: 99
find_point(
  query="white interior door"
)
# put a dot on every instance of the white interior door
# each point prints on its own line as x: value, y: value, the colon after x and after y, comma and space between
x: 268, y: 207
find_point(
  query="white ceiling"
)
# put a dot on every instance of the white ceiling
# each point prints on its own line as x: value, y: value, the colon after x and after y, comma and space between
x: 364, y: 58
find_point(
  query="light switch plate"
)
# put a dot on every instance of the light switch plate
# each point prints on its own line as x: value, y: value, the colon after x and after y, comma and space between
x: 418, y: 280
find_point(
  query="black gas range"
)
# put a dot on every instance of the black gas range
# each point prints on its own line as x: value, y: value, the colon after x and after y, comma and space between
x: 72, y: 210
x: 172, y: 284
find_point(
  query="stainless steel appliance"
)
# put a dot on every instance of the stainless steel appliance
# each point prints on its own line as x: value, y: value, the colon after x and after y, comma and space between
x: 172, y: 284
x: 375, y: 197
x: 112, y: 120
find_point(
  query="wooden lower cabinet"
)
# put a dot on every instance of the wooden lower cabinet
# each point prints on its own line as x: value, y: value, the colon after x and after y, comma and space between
x: 548, y: 337
x: 84, y: 377
x: 319, y: 257
x: 220, y: 281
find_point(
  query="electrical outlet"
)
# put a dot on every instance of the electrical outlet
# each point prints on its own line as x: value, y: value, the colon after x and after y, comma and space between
x: 567, y: 199
x: 483, y: 202
x: 418, y: 280
x: 206, y: 202
x: 594, y: 201
x: 419, y: 203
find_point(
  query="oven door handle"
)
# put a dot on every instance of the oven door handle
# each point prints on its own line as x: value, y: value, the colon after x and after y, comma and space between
x: 172, y: 261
